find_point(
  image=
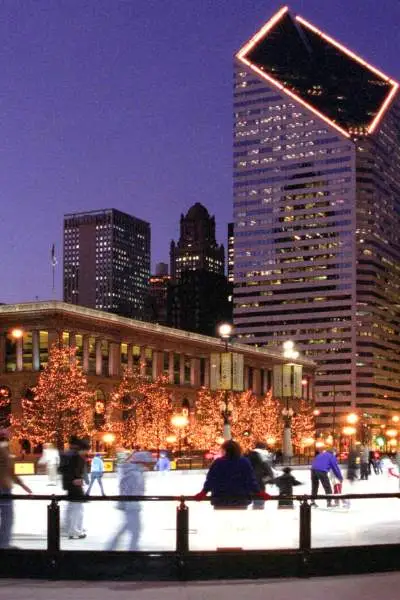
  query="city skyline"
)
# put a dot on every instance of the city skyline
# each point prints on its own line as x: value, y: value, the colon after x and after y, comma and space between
x: 89, y: 108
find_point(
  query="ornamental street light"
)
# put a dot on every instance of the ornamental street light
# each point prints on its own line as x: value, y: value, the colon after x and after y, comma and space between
x: 290, y: 353
x: 179, y: 421
x: 225, y: 332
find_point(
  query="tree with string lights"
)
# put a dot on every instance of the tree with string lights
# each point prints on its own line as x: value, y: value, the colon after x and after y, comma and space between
x: 208, y: 423
x: 272, y: 416
x: 303, y: 425
x: 5, y: 406
x: 139, y: 413
x: 62, y: 404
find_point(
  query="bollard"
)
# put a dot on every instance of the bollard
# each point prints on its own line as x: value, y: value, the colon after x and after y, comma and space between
x: 305, y: 524
x: 53, y: 526
x: 182, y: 527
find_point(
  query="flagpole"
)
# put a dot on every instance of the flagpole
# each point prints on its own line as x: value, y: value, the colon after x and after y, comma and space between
x: 53, y: 266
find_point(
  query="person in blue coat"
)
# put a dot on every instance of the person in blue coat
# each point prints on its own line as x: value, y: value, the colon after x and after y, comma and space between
x: 231, y: 480
x: 163, y: 463
x: 321, y: 465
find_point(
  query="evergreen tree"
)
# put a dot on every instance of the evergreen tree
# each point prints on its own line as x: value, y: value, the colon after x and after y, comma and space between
x: 62, y: 404
x: 303, y: 425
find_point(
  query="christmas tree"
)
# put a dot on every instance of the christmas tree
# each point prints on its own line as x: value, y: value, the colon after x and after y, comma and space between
x: 208, y: 424
x: 62, y: 404
x: 273, y: 423
x: 246, y: 422
x: 303, y: 425
x: 140, y: 413
x: 5, y: 406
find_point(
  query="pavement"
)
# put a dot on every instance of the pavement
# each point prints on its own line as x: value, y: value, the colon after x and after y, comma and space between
x: 366, y: 522
x: 355, y: 587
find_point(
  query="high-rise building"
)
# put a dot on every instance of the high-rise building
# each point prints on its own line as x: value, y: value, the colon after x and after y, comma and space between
x: 158, y: 295
x: 199, y: 301
x: 107, y: 261
x: 230, y: 252
x: 317, y: 213
x: 197, y: 247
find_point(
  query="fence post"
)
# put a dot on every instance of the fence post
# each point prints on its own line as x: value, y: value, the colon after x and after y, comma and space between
x: 305, y: 536
x: 53, y: 526
x: 182, y: 527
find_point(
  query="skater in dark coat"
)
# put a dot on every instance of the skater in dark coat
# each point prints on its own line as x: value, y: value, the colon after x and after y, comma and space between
x: 285, y: 485
x: 260, y: 461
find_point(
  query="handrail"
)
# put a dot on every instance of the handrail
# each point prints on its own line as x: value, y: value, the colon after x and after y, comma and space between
x: 180, y: 498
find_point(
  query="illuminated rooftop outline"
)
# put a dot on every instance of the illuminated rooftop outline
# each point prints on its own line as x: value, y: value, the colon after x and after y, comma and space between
x: 319, y: 73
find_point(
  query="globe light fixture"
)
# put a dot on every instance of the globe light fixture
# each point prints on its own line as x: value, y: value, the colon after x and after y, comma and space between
x: 352, y: 419
x: 225, y: 330
x: 395, y: 418
x: 17, y: 333
x: 108, y: 438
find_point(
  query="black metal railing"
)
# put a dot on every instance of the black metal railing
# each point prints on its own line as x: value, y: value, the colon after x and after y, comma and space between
x: 310, y: 561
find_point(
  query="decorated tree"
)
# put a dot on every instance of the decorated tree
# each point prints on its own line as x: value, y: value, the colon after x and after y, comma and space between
x: 303, y: 425
x: 272, y: 416
x: 246, y: 423
x: 139, y: 412
x: 208, y: 423
x: 5, y: 406
x: 62, y: 404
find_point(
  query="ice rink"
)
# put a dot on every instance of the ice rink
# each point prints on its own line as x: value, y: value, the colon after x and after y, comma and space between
x: 366, y: 522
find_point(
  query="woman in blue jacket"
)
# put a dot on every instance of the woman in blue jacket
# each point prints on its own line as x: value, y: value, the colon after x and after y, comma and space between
x: 231, y: 480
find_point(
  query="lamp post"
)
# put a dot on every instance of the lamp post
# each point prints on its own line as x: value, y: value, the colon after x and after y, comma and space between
x: 108, y: 439
x: 179, y: 421
x: 290, y: 353
x: 225, y: 333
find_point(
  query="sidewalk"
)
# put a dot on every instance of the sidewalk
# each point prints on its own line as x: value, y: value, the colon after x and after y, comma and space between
x: 358, y: 587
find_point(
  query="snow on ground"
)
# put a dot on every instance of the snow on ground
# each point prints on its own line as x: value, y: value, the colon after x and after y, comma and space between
x: 366, y: 522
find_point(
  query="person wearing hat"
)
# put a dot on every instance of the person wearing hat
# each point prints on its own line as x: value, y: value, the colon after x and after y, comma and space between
x: 73, y: 475
x: 131, y: 483
x: 7, y: 479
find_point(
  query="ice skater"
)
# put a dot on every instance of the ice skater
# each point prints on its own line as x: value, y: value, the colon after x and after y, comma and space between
x: 285, y: 485
x: 131, y: 483
x: 96, y: 474
x: 321, y: 465
x: 51, y: 459
x: 72, y: 467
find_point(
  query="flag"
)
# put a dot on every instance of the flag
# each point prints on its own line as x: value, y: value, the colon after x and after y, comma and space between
x: 53, y: 256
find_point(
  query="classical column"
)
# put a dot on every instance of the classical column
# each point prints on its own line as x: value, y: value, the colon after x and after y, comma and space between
x: 85, y: 353
x: 158, y: 364
x: 246, y: 378
x: 130, y: 357
x: 53, y: 338
x: 72, y: 344
x: 35, y: 350
x: 99, y: 358
x: 195, y: 372
x: 171, y: 366
x: 114, y: 359
x: 206, y: 372
x: 2, y: 353
x: 142, y: 361
x: 181, y: 369
x: 19, y: 348
x: 256, y: 381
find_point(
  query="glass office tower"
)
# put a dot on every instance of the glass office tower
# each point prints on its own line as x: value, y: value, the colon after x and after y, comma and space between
x: 317, y: 213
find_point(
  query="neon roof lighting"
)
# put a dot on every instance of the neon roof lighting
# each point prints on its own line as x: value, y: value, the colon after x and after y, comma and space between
x: 320, y: 73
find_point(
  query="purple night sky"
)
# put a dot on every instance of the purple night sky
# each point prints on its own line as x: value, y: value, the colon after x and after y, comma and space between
x: 128, y: 104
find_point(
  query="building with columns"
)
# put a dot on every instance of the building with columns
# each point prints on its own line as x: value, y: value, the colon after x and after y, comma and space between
x: 106, y: 343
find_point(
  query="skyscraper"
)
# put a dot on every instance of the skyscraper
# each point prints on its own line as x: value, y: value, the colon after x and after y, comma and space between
x: 158, y: 295
x: 107, y: 261
x: 197, y: 247
x: 231, y: 252
x: 317, y: 212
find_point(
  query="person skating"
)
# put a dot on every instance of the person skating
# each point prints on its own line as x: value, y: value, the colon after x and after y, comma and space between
x: 73, y: 469
x: 260, y: 461
x: 364, y: 463
x: 131, y: 483
x: 163, y: 463
x: 7, y: 479
x: 321, y: 465
x: 51, y: 459
x: 231, y: 480
x: 96, y: 473
x: 285, y: 484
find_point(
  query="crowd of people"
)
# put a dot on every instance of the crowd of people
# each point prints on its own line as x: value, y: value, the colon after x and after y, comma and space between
x: 234, y: 481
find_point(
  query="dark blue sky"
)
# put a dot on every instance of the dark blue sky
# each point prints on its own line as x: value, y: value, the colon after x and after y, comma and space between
x: 128, y: 104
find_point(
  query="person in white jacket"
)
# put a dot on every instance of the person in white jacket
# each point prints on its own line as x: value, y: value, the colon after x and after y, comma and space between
x: 131, y: 483
x: 51, y: 459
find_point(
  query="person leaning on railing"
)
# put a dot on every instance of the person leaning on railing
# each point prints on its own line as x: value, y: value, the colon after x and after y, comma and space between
x: 7, y: 479
x: 231, y: 480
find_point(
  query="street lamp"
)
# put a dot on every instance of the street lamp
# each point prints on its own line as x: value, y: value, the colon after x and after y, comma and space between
x: 108, y: 439
x: 225, y: 331
x: 17, y: 333
x: 290, y: 353
x: 179, y: 421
